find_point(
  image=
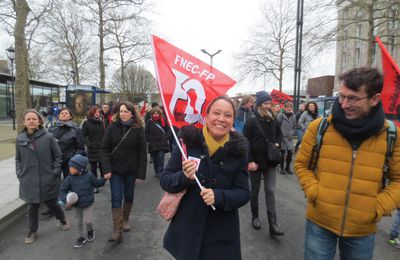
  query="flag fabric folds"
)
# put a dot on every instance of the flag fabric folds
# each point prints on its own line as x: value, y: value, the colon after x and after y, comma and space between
x: 187, y: 85
x: 278, y: 97
x: 391, y: 86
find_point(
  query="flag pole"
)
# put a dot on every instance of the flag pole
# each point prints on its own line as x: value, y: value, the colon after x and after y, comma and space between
x: 170, y: 122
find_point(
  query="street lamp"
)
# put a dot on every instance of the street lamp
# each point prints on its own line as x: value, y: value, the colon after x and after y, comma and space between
x: 73, y: 74
x: 11, y: 56
x: 211, y: 55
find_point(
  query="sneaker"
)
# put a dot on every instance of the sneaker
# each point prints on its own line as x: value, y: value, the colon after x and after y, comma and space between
x: 64, y: 224
x: 30, y: 237
x: 91, y: 235
x: 80, y: 242
x: 395, y: 242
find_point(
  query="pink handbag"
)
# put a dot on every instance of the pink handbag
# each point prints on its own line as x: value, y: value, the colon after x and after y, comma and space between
x: 169, y: 204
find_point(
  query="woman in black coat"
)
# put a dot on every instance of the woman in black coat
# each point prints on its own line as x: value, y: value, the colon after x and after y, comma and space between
x: 259, y: 166
x: 69, y: 137
x: 197, y: 231
x: 124, y: 156
x: 157, y: 135
x: 93, y: 130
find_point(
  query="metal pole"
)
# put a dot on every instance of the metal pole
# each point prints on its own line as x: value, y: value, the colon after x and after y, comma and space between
x: 13, y: 93
x: 298, y: 54
x: 211, y: 55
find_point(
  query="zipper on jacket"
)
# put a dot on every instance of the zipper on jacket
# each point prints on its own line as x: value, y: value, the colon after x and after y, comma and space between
x: 346, y: 204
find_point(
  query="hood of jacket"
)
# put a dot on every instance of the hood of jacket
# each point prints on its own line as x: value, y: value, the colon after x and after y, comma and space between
x: 237, y: 145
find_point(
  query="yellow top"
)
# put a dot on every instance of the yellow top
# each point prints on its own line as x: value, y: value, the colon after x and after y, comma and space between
x: 213, y: 144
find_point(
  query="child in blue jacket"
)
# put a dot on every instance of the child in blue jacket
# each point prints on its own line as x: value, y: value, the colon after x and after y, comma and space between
x: 82, y: 183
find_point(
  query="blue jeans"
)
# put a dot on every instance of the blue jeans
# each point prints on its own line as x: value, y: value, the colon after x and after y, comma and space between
x: 158, y: 161
x: 121, y: 188
x: 395, y: 231
x: 320, y: 244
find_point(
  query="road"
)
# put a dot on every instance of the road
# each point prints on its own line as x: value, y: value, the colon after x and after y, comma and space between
x: 144, y: 241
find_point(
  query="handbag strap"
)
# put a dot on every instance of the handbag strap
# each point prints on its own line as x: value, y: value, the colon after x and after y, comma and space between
x: 261, y: 130
x: 121, y: 141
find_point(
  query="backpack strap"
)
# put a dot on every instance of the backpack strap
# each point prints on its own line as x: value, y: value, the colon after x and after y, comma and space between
x: 391, y: 133
x: 323, y: 125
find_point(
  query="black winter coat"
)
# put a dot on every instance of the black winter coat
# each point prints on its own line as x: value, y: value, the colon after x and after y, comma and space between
x: 157, y: 136
x: 93, y: 130
x: 130, y: 158
x: 82, y: 185
x: 70, y: 139
x: 258, y: 144
x: 197, y: 231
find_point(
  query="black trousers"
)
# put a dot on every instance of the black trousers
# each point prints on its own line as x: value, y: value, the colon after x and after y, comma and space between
x: 93, y: 168
x: 33, y: 213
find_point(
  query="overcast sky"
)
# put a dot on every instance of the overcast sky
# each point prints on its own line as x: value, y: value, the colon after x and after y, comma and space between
x: 214, y: 25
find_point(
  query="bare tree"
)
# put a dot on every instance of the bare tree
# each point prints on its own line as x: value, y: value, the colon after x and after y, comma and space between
x: 269, y: 50
x: 359, y: 20
x: 38, y: 10
x: 138, y: 82
x: 101, y: 14
x: 66, y: 37
x: 22, y: 93
x: 131, y: 42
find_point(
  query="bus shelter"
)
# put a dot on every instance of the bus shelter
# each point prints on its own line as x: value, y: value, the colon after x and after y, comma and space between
x: 79, y: 98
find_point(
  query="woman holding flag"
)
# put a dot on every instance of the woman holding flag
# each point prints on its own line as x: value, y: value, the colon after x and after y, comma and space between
x: 217, y: 156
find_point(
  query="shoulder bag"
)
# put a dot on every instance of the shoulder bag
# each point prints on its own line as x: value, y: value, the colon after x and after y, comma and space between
x: 169, y: 203
x: 274, y: 155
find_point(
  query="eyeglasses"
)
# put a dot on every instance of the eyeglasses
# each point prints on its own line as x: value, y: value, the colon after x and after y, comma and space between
x: 350, y: 99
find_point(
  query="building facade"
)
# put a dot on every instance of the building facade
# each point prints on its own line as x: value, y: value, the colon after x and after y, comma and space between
x: 358, y: 22
x: 43, y: 95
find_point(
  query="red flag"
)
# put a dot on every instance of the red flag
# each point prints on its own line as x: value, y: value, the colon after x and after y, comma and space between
x: 391, y: 86
x: 279, y: 97
x: 187, y: 85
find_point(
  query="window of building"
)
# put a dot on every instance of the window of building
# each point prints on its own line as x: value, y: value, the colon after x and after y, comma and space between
x: 357, y: 57
x: 359, y: 30
x: 345, y: 35
x: 392, y: 43
x: 343, y: 61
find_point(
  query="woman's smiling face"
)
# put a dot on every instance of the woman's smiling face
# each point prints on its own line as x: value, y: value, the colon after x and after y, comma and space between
x: 219, y: 120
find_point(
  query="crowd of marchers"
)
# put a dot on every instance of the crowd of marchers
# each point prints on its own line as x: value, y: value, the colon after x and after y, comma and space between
x: 347, y: 165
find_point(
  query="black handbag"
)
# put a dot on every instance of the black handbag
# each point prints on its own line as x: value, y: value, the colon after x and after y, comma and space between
x: 274, y: 155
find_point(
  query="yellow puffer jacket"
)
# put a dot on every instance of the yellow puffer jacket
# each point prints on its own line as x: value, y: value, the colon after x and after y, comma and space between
x: 345, y: 196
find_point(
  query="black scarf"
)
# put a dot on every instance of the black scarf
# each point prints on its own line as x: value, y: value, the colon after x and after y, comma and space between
x: 128, y: 123
x: 357, y: 130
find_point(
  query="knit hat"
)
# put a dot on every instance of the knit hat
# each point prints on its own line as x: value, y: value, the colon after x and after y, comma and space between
x: 261, y: 97
x: 79, y: 162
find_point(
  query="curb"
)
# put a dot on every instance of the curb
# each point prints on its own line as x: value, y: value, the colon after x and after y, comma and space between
x: 15, y: 214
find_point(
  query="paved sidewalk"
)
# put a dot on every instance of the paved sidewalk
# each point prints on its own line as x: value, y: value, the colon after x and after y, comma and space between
x: 10, y: 204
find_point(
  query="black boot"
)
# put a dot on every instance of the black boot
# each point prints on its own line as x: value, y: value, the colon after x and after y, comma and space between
x: 273, y: 227
x: 288, y: 161
x: 255, y: 221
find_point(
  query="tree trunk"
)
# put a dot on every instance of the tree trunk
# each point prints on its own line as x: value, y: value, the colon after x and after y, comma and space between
x: 371, y: 39
x: 22, y: 96
x: 101, y: 51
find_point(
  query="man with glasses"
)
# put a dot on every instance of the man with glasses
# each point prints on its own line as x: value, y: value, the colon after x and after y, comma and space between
x: 345, y: 194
